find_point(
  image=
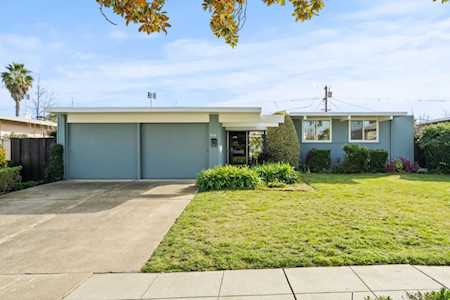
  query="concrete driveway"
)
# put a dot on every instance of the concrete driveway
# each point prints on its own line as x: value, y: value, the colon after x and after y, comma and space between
x: 54, y: 236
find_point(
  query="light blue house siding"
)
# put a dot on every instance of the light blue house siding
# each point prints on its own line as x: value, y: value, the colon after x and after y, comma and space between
x: 140, y: 150
x: 396, y: 136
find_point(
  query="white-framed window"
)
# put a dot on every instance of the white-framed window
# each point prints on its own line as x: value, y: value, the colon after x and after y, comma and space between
x: 363, y: 131
x: 317, y: 131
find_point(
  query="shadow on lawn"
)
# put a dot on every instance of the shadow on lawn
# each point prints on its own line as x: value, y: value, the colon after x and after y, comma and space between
x: 340, y: 178
x: 426, y: 177
x: 354, y: 178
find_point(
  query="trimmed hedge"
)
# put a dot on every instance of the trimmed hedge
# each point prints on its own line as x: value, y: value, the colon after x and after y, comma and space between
x: 435, y: 141
x: 55, y: 169
x: 356, y: 159
x: 277, y: 172
x: 282, y: 143
x: 318, y: 160
x: 377, y: 160
x: 228, y: 177
x: 9, y: 178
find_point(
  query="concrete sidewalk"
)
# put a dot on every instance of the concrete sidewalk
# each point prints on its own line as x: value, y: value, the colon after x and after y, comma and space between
x: 334, y: 283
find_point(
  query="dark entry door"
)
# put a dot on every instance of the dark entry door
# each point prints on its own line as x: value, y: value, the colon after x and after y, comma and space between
x: 237, y: 145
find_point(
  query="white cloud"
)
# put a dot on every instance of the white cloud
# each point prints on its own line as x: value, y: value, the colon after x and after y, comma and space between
x: 372, y: 60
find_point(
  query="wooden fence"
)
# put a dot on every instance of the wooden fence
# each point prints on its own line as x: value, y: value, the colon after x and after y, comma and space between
x: 33, y: 155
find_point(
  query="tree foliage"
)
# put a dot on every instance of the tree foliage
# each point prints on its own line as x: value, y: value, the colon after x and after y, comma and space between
x: 18, y: 81
x: 227, y: 17
x: 282, y: 143
x: 435, y: 142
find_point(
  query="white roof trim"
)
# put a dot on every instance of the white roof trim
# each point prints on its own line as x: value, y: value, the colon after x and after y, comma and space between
x: 29, y: 121
x: 261, y: 123
x: 346, y: 114
x: 208, y: 109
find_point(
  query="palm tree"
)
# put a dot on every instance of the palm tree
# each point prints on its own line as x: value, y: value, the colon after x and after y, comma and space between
x: 18, y: 81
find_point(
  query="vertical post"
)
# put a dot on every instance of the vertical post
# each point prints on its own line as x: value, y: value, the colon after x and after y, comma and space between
x: 326, y: 99
x: 62, y: 138
x: 215, y: 151
x: 138, y: 150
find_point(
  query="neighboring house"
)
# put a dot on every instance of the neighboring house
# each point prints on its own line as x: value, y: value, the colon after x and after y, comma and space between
x: 390, y: 131
x: 23, y: 127
x: 178, y: 142
x: 434, y: 121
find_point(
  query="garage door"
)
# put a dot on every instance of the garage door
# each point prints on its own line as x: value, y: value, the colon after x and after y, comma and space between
x: 174, y: 151
x: 102, y: 151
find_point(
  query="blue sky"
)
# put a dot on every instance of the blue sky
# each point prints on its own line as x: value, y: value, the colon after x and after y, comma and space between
x: 377, y: 55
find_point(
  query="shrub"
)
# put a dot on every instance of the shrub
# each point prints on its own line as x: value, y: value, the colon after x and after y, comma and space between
x: 55, y: 169
x: 9, y: 178
x: 443, y: 294
x: 356, y: 159
x: 227, y: 177
x: 282, y: 143
x: 435, y: 141
x: 277, y: 172
x: 377, y: 160
x: 401, y: 165
x: 318, y: 160
x: 3, y: 161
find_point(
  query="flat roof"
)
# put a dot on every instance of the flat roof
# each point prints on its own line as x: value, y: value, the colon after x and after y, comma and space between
x: 28, y: 121
x: 191, y: 109
x: 346, y: 114
x: 434, y: 121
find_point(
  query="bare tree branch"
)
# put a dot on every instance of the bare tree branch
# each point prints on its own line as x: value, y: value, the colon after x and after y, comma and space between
x: 105, y: 16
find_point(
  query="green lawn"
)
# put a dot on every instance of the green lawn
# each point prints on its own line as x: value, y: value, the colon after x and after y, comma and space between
x: 342, y: 220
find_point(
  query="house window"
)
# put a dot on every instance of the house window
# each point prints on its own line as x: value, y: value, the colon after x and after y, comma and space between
x: 363, y: 131
x: 317, y: 131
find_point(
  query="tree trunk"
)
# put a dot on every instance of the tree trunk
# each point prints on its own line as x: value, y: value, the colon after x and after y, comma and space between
x: 17, y: 108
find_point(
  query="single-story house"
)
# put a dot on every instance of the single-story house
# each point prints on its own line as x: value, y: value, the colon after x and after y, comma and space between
x: 179, y: 142
x: 433, y: 121
x: 391, y: 131
x: 22, y: 127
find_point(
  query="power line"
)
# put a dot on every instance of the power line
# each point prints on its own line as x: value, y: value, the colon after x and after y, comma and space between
x: 352, y: 104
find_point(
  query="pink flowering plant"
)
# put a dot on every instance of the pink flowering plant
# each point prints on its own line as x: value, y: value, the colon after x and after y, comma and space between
x: 401, y: 165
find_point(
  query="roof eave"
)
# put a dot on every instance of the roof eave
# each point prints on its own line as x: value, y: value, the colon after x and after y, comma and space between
x: 204, y: 109
x: 346, y: 114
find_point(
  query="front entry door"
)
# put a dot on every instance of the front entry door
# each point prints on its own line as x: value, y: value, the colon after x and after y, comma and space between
x: 237, y: 145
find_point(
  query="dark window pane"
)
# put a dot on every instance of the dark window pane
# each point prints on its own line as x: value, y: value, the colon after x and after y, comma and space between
x: 357, y: 130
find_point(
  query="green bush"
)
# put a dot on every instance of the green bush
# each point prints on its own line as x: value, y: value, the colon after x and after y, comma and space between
x: 377, y: 160
x: 277, y: 172
x: 282, y: 143
x: 356, y: 159
x: 3, y: 161
x: 55, y: 169
x: 435, y: 141
x: 9, y: 178
x: 228, y: 177
x: 443, y: 294
x: 318, y: 160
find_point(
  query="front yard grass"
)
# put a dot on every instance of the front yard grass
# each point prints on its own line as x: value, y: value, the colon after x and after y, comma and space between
x: 342, y: 220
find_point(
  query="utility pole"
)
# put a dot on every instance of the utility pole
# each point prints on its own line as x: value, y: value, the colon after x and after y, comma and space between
x: 328, y: 94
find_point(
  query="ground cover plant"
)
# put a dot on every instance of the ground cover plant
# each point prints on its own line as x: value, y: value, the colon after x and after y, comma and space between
x: 343, y: 220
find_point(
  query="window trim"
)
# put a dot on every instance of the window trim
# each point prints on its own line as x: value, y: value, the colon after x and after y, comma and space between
x: 329, y: 141
x: 350, y: 140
